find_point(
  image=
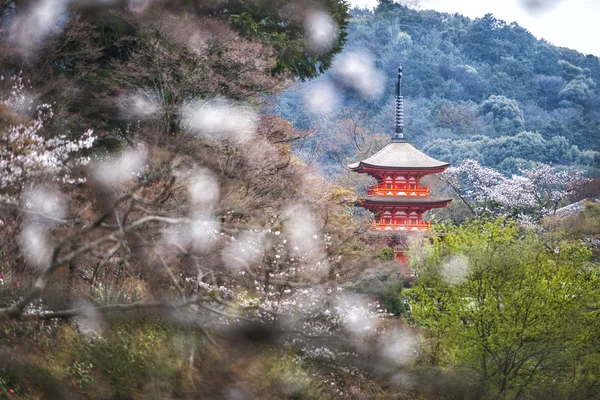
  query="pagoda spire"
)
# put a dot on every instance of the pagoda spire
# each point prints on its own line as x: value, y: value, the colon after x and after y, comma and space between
x: 399, y: 120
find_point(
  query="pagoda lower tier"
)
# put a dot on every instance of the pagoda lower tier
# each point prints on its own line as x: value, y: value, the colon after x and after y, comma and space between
x: 401, y: 213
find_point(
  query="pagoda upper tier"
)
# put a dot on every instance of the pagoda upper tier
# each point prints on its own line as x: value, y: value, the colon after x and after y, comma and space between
x: 402, y: 156
x: 398, y: 169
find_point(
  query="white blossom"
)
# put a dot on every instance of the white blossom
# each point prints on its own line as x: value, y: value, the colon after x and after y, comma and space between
x: 26, y: 155
x: 537, y: 192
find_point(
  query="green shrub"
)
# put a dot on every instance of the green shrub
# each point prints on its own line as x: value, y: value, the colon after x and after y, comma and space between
x: 130, y: 355
x: 81, y: 374
x: 386, y: 254
x: 9, y: 383
x: 287, y: 377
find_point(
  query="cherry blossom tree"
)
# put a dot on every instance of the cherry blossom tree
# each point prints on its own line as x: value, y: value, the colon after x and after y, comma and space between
x: 26, y: 154
x: 183, y: 228
x: 537, y: 192
x: 204, y: 217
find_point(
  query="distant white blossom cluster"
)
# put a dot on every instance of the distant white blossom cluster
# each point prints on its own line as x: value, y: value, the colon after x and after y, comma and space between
x: 537, y: 192
x: 26, y: 155
x: 18, y: 99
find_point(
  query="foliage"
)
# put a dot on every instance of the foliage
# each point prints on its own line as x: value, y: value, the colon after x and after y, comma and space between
x: 129, y: 354
x: 481, y: 89
x: 147, y: 357
x: 513, y: 307
x: 505, y: 113
x: 81, y: 374
x: 193, y: 210
x: 386, y: 254
x: 507, y: 153
x: 291, y: 374
x: 283, y: 26
x: 123, y: 70
x: 9, y: 383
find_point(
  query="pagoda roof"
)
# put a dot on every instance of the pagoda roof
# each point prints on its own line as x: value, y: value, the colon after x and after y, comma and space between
x: 401, y: 200
x: 399, y: 155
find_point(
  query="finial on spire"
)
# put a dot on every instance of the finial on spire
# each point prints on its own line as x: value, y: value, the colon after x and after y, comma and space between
x: 399, y: 132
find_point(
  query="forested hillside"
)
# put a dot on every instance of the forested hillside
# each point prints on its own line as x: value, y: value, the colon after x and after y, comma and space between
x: 482, y: 89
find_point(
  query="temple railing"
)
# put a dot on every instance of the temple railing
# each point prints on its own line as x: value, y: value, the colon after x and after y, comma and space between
x: 421, y: 227
x: 382, y: 191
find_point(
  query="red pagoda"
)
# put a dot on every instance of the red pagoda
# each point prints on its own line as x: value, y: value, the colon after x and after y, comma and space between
x: 398, y: 200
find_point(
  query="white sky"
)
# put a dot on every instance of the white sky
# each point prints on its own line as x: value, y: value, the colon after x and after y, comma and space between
x: 568, y: 23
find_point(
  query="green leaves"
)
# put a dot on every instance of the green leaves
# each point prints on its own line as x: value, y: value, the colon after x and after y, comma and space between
x: 282, y: 25
x: 521, y: 316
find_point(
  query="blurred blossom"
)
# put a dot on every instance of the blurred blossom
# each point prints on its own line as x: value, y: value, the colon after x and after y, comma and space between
x: 238, y: 392
x: 304, y: 240
x: 357, y: 315
x: 138, y: 6
x: 200, y: 235
x: 321, y: 98
x: 35, y: 245
x: 321, y: 30
x: 184, y: 168
x: 455, y: 269
x: 140, y: 105
x: 90, y: 323
x: 302, y: 226
x: 404, y: 380
x: 177, y: 240
x: 221, y: 119
x: 204, y: 191
x: 113, y: 173
x: 399, y: 347
x: 45, y: 201
x: 539, y: 5
x: 245, y: 250
x: 43, y: 18
x: 199, y: 41
x: 204, y: 232
x: 358, y: 71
